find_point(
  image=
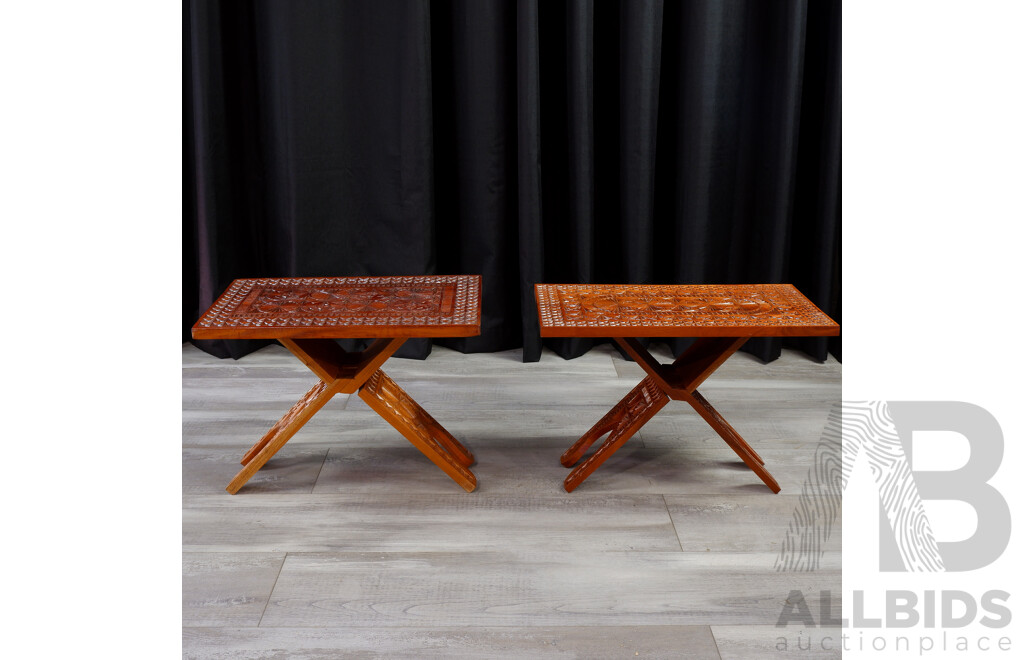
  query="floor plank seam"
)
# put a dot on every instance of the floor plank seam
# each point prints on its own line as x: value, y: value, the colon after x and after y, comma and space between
x: 673, y: 522
x: 383, y: 552
x: 270, y: 594
x: 714, y: 640
x: 318, y: 472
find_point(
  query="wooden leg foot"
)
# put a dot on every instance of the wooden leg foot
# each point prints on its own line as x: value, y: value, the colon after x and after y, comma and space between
x: 732, y: 438
x: 607, y: 423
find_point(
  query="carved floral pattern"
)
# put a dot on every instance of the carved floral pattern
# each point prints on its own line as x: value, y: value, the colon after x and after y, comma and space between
x: 345, y: 301
x: 428, y: 300
x: 597, y: 305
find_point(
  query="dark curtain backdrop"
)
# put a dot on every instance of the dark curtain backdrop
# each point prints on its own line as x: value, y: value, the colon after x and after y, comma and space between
x: 633, y: 141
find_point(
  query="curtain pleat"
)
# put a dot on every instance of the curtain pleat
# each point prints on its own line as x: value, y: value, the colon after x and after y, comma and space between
x: 639, y: 80
x: 635, y: 141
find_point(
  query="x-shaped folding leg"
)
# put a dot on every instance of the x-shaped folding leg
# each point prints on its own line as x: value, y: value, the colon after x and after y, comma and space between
x: 342, y: 372
x: 679, y: 381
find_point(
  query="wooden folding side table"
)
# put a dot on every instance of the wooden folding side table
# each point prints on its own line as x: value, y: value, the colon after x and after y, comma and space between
x: 722, y: 317
x: 307, y: 314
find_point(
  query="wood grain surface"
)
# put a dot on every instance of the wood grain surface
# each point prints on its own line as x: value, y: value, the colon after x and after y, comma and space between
x: 721, y: 316
x: 364, y: 307
x: 492, y: 643
x: 349, y: 544
x: 678, y: 310
x: 306, y: 314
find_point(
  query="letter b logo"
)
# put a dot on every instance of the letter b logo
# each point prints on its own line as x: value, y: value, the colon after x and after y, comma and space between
x: 966, y: 484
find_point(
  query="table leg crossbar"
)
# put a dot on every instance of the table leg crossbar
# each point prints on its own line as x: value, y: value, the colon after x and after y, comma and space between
x: 678, y: 381
x: 345, y: 373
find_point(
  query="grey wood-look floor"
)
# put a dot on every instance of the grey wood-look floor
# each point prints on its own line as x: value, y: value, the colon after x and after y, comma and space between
x: 350, y: 543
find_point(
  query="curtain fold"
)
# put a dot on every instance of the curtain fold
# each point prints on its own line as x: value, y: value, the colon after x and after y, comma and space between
x: 635, y: 141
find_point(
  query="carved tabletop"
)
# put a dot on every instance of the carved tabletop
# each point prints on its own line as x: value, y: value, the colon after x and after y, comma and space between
x: 678, y: 310
x: 334, y: 307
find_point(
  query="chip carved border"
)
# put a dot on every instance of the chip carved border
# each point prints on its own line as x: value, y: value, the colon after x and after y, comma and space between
x: 560, y: 306
x: 465, y: 308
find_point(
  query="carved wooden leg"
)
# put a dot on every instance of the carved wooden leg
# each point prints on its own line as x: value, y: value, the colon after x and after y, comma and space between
x: 391, y: 402
x: 606, y: 423
x: 285, y: 428
x: 679, y: 381
x: 732, y: 438
x: 264, y: 441
x: 641, y: 404
x: 697, y: 399
x: 457, y: 450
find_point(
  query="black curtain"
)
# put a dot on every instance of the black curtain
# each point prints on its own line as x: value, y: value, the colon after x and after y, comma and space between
x: 632, y: 141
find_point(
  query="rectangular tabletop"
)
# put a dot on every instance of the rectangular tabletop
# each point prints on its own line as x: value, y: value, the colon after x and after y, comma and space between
x: 334, y: 307
x: 678, y: 310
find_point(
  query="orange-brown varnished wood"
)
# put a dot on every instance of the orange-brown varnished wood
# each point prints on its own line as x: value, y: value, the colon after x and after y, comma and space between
x: 355, y: 368
x: 392, y: 403
x: 721, y: 317
x: 306, y: 314
x: 690, y: 369
x: 634, y: 410
x: 335, y: 307
x: 282, y: 432
x: 678, y: 310
x: 724, y: 429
